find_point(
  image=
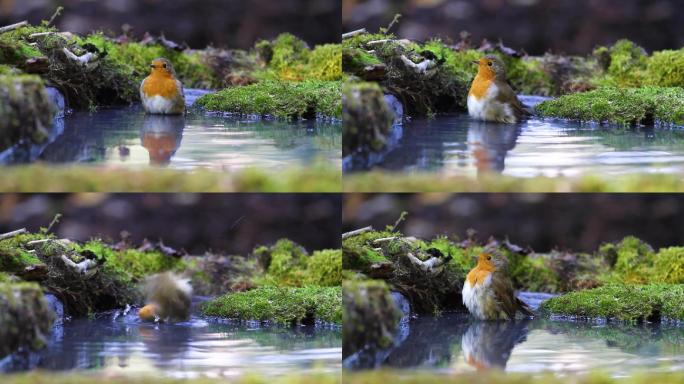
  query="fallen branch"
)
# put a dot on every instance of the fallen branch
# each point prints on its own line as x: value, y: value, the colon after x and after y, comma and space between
x: 357, y: 232
x: 81, y: 267
x: 376, y: 42
x: 39, y: 34
x: 353, y: 33
x: 428, y: 265
x: 57, y: 13
x: 83, y: 60
x: 12, y: 27
x: 12, y: 234
x: 421, y: 67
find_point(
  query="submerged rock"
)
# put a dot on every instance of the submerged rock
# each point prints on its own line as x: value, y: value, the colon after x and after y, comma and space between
x: 25, y: 318
x: 26, y: 112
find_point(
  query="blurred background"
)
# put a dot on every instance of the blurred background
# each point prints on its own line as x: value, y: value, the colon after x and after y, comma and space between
x: 224, y: 23
x: 537, y: 26
x: 579, y: 222
x: 225, y: 223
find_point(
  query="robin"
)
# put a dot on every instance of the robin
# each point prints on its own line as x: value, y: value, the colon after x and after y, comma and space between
x: 169, y: 298
x: 488, y: 291
x: 161, y: 92
x: 491, y: 98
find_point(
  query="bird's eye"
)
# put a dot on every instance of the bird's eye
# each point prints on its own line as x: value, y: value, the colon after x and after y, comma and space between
x: 489, y: 63
x: 489, y: 257
x: 164, y: 65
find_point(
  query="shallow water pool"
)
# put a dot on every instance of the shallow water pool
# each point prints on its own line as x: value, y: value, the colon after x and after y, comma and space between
x: 117, y: 344
x: 127, y: 137
x: 457, y: 145
x: 454, y: 343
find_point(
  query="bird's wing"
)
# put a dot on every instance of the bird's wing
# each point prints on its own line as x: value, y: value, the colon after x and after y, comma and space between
x: 142, y: 86
x: 504, y: 293
x: 524, y: 308
x: 506, y: 93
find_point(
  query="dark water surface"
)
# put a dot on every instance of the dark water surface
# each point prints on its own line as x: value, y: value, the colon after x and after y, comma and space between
x: 458, y: 145
x: 454, y: 342
x: 126, y: 137
x: 199, y: 347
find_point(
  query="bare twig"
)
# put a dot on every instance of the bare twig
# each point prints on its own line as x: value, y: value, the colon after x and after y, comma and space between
x: 385, y: 239
x: 54, y: 221
x: 83, y: 60
x: 58, y: 12
x: 357, y: 232
x: 353, y: 33
x: 375, y: 42
x: 401, y: 218
x: 39, y: 34
x: 394, y: 22
x: 421, y: 67
x: 12, y: 27
x: 12, y: 234
x: 428, y: 265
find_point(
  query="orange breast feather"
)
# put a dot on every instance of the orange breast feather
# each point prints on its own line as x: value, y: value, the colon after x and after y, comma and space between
x: 477, y: 276
x: 156, y: 85
x: 480, y: 86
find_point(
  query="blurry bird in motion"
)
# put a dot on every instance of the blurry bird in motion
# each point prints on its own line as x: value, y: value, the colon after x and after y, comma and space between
x: 161, y: 92
x: 491, y: 98
x: 488, y: 291
x: 168, y: 297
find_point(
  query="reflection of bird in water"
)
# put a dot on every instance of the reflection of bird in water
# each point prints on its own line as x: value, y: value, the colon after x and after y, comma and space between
x: 161, y: 136
x: 488, y: 291
x: 489, y: 144
x: 168, y: 296
x: 124, y: 152
x: 488, y: 344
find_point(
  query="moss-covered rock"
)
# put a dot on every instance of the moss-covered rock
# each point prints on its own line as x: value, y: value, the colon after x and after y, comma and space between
x: 86, y: 277
x: 287, y: 263
x: 367, y: 119
x: 666, y: 69
x: 624, y: 63
x: 25, y: 318
x: 281, y: 99
x: 370, y: 316
x: 136, y: 57
x: 324, y: 268
x: 625, y: 106
x: 289, y: 58
x: 280, y: 305
x: 669, y: 266
x: 629, y: 303
x: 26, y: 112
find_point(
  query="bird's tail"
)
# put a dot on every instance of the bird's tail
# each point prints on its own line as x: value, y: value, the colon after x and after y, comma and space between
x: 524, y: 308
x: 171, y: 294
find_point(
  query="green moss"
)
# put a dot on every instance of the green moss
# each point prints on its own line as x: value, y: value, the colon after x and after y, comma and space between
x: 280, y: 305
x: 629, y: 303
x: 325, y: 63
x: 533, y: 273
x: 527, y: 76
x: 625, y: 64
x: 620, y: 106
x: 15, y: 46
x: 358, y: 252
x: 370, y: 316
x: 288, y: 261
x: 25, y: 319
x: 324, y: 268
x: 282, y: 99
x: 26, y: 112
x: 317, y: 177
x: 354, y: 60
x: 14, y: 254
x: 131, y: 265
x: 136, y: 58
x: 666, y: 69
x: 669, y: 265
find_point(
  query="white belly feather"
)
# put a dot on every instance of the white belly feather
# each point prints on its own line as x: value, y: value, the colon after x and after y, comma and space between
x: 158, y: 104
x: 481, y: 301
x: 488, y: 108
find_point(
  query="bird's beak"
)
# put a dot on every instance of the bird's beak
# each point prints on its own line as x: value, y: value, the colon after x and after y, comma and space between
x: 152, y: 66
x: 475, y: 62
